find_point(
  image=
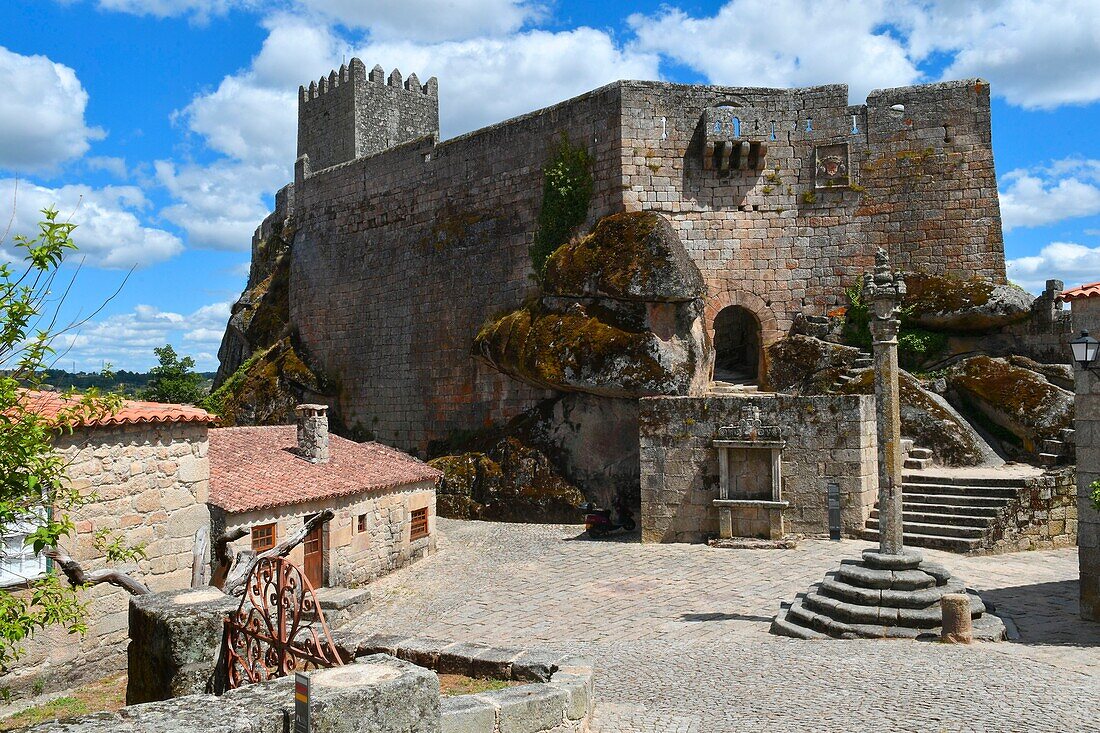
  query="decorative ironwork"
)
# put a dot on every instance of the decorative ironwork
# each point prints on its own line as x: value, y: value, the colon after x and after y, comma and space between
x: 279, y: 627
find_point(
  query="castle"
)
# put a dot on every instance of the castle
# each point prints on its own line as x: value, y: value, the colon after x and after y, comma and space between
x: 405, y: 244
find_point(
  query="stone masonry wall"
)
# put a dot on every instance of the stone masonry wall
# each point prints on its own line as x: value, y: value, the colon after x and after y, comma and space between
x: 353, y: 558
x: 1043, y: 516
x: 1086, y: 316
x: 151, y: 482
x: 400, y: 257
x: 830, y: 439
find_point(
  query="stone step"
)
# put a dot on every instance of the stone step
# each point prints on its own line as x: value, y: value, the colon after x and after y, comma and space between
x: 916, y: 497
x: 906, y: 445
x: 957, y: 520
x: 920, y: 453
x: 969, y: 510
x: 864, y: 362
x: 917, y: 464
x: 1049, y: 459
x: 856, y: 573
x: 935, y: 530
x: 1066, y: 434
x: 1054, y: 446
x: 844, y: 378
x: 962, y: 480
x: 1003, y: 492
x: 834, y: 587
x: 931, y: 542
x: 852, y: 613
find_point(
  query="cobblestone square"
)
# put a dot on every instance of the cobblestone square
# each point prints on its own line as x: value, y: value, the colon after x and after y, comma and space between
x: 679, y: 634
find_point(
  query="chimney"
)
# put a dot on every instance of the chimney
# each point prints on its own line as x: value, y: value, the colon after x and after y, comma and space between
x: 313, y: 432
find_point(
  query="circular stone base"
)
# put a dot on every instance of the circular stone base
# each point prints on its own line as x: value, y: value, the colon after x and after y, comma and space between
x: 905, y: 560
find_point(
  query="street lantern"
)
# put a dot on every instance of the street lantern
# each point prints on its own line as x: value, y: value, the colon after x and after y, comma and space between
x: 1085, y: 349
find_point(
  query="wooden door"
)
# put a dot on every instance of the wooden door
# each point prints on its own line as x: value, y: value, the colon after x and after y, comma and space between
x: 315, y: 557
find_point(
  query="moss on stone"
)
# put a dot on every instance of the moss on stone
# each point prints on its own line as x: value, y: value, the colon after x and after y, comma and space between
x: 927, y: 293
x: 807, y: 365
x: 265, y: 389
x: 571, y: 350
x: 627, y: 256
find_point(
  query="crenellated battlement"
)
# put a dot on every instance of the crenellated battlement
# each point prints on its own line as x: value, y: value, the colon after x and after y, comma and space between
x: 351, y: 113
x: 357, y: 71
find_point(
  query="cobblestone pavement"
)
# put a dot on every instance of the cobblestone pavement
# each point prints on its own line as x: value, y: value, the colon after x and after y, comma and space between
x: 680, y: 635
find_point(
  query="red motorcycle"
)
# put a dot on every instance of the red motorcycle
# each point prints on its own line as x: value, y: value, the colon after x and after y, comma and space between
x: 598, y: 522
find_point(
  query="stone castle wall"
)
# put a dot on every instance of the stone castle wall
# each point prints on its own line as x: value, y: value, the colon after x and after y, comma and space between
x: 151, y: 482
x: 400, y: 257
x: 1086, y: 316
x: 829, y: 439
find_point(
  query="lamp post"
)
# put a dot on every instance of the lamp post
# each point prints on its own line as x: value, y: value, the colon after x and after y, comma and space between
x: 1085, y: 349
x: 882, y: 292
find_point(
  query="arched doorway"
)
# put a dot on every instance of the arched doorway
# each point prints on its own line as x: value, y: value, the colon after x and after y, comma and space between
x: 736, y: 344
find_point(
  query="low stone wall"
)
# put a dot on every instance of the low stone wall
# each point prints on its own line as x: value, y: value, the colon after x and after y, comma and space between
x: 829, y: 439
x: 1043, y: 517
x: 176, y: 638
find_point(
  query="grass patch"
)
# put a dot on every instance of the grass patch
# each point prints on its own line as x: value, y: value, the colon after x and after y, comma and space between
x: 459, y: 684
x: 105, y: 695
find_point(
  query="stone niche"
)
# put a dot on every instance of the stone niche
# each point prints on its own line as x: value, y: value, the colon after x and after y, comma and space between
x: 750, y: 489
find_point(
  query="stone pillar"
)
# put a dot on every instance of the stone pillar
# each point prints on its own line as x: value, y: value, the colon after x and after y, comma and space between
x: 882, y: 293
x: 957, y: 624
x: 1086, y: 316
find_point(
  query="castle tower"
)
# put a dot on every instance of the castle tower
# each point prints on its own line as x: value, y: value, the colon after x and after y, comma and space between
x: 350, y: 114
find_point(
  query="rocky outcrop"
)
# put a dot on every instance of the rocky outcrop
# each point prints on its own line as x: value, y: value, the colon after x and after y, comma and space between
x: 620, y: 315
x: 931, y: 422
x: 1019, y: 406
x: 266, y: 387
x: 946, y: 303
x: 806, y: 365
x: 1060, y: 375
x: 511, y: 482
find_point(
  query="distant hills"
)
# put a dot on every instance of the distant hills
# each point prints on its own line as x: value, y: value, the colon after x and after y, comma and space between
x: 127, y: 382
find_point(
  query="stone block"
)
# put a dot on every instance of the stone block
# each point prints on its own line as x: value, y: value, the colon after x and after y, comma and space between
x: 174, y: 642
x: 378, y: 693
x: 467, y: 714
x: 528, y: 708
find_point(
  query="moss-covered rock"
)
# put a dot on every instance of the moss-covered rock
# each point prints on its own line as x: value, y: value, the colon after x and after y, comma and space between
x: 512, y: 482
x: 947, y: 303
x: 931, y: 422
x: 629, y: 256
x: 1060, y: 375
x: 585, y: 350
x: 1016, y: 404
x: 266, y: 388
x: 806, y: 365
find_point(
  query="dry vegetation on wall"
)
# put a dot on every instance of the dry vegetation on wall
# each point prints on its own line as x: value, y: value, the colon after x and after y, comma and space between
x: 265, y: 389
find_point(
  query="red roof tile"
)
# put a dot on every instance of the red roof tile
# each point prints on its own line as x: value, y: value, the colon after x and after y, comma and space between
x: 50, y: 404
x: 259, y: 467
x: 1081, y: 291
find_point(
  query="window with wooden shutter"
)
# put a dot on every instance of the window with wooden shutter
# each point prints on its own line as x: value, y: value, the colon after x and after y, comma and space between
x: 263, y: 537
x: 419, y: 524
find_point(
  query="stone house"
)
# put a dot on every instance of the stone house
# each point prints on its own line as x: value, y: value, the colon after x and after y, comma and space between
x: 1085, y: 303
x: 147, y: 466
x: 272, y: 479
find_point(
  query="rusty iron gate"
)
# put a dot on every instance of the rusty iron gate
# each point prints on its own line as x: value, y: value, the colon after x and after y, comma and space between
x: 278, y: 629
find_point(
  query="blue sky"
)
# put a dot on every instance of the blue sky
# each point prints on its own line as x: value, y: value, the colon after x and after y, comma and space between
x: 165, y: 126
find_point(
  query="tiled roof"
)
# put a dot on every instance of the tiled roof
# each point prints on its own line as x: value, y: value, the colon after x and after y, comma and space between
x: 132, y: 412
x: 258, y: 468
x: 1081, y: 291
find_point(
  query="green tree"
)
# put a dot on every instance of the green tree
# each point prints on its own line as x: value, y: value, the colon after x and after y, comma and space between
x: 35, y: 500
x: 173, y: 379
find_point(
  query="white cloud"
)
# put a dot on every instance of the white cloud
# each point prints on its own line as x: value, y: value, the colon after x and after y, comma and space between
x: 1065, y: 189
x: 41, y: 113
x: 128, y: 339
x: 219, y: 205
x: 1072, y: 263
x: 486, y: 80
x: 428, y: 20
x: 1036, y: 54
x: 109, y: 232
x: 200, y: 10
x: 115, y: 166
x: 783, y: 43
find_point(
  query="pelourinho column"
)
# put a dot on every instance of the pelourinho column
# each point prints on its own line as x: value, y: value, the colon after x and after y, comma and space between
x: 882, y: 292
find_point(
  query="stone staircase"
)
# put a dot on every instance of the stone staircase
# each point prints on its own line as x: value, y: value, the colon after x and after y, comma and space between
x: 956, y: 513
x: 915, y: 459
x: 732, y: 383
x: 862, y: 362
x: 1061, y: 450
